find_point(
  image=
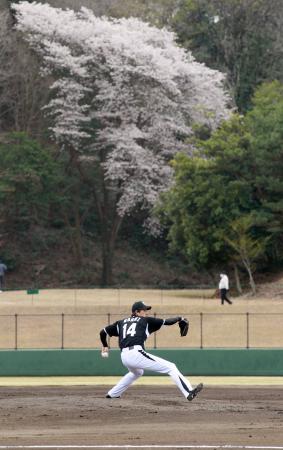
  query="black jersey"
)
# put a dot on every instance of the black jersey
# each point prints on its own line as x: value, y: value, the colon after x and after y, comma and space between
x: 133, y: 330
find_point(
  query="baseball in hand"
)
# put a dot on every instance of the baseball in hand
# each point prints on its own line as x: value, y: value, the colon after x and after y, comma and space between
x: 104, y: 354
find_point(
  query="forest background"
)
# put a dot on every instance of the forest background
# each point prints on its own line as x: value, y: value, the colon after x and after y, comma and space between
x: 224, y: 211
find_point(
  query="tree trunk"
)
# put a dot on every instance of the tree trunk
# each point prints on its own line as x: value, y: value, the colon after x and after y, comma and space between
x: 109, y: 236
x: 251, y: 279
x: 107, y: 264
x: 252, y: 283
x: 110, y: 221
x: 78, y: 236
x: 237, y: 279
x: 75, y: 235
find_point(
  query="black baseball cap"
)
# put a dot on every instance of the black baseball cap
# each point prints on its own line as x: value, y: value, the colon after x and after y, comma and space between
x: 138, y: 306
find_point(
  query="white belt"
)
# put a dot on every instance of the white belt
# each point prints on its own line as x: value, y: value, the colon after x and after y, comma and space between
x: 132, y: 347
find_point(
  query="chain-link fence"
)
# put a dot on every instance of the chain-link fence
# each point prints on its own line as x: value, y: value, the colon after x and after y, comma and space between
x: 207, y: 330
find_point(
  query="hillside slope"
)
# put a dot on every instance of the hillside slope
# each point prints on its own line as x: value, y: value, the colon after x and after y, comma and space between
x: 47, y: 261
x: 52, y: 265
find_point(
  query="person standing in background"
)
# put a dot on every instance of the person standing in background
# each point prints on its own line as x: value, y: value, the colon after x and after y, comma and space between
x: 3, y: 269
x: 224, y: 288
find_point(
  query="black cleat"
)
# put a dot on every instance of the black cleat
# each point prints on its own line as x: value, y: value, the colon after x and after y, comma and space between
x: 194, y: 392
x: 109, y: 396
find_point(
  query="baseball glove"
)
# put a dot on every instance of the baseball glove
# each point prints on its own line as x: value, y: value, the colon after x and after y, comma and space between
x: 184, y: 326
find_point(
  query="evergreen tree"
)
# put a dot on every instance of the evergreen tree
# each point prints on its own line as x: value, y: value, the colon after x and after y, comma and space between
x: 240, y: 37
x: 238, y: 173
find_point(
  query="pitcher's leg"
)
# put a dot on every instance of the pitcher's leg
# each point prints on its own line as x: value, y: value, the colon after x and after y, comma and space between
x: 182, y: 383
x: 156, y: 364
x: 125, y: 382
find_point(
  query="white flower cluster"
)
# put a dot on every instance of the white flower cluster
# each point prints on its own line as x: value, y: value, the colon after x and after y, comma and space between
x: 123, y: 88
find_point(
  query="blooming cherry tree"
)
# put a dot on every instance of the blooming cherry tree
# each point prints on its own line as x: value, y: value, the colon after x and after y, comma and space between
x: 125, y: 97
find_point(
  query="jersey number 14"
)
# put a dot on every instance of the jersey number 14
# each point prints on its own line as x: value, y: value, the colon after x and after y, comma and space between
x: 130, y: 331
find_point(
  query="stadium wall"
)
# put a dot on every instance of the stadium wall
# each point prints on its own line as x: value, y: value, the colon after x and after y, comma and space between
x: 234, y: 362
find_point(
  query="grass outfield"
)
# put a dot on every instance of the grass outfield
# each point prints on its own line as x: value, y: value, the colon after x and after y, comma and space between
x: 110, y: 300
x: 39, y: 319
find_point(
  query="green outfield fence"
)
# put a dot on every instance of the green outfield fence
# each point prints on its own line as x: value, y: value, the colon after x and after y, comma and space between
x: 206, y: 362
x: 81, y: 331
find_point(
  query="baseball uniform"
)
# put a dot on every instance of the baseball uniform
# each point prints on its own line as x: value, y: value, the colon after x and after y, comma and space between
x: 132, y: 333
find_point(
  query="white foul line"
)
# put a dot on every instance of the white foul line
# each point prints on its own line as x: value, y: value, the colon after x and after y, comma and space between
x: 251, y: 447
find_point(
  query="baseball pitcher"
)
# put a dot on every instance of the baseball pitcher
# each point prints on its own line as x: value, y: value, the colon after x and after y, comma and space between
x: 132, y: 333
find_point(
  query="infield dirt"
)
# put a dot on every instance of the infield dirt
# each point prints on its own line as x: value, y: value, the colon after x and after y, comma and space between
x: 147, y: 415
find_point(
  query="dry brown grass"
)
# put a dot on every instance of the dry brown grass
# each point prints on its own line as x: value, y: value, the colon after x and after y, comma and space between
x: 80, y: 314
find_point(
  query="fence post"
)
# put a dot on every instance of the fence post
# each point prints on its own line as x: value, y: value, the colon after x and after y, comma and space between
x: 248, y: 330
x: 154, y: 337
x: 62, y: 332
x: 108, y: 323
x: 16, y: 331
x: 201, y: 324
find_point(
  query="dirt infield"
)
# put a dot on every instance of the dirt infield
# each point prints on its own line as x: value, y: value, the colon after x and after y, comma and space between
x: 146, y: 415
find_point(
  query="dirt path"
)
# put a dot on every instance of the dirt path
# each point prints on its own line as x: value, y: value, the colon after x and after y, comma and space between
x: 82, y: 415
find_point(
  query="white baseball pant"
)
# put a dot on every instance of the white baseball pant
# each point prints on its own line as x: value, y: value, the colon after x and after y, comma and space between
x: 136, y: 359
